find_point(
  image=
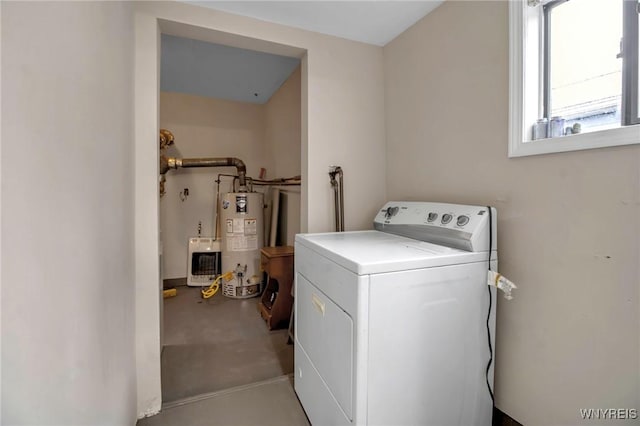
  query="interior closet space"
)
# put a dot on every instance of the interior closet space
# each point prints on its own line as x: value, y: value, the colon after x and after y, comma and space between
x: 224, y: 103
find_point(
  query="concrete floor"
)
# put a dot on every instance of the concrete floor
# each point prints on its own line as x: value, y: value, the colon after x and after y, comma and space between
x: 269, y: 403
x: 222, y: 366
x: 216, y: 344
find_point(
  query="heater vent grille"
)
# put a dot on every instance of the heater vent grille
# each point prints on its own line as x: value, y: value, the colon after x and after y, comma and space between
x: 204, y: 261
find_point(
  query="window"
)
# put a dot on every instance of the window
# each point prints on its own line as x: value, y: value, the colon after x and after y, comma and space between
x: 573, y: 75
x: 631, y: 56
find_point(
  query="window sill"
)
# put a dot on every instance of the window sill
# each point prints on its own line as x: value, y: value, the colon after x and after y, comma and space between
x: 628, y: 135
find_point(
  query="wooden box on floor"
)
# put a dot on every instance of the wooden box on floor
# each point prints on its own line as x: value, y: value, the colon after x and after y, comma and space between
x: 276, y: 301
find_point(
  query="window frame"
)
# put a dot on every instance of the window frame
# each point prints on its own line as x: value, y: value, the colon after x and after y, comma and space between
x: 526, y: 80
x: 630, y: 41
x: 547, y: 8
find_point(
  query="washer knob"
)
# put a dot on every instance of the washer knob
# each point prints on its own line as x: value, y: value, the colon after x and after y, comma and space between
x: 392, y: 211
x: 432, y: 217
x: 446, y: 218
x: 462, y: 220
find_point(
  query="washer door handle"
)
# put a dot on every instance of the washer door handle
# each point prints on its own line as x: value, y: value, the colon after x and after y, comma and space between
x: 317, y: 303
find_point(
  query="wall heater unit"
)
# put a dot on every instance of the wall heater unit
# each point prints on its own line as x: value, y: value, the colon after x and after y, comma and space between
x: 204, y: 261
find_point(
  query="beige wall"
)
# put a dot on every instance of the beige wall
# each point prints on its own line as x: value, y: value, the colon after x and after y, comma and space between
x: 342, y: 123
x: 568, y: 224
x: 67, y: 214
x: 283, y: 128
x: 204, y: 127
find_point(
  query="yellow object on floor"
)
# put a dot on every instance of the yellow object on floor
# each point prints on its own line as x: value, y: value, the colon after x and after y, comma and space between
x: 211, y: 290
x: 172, y: 292
x: 215, y: 285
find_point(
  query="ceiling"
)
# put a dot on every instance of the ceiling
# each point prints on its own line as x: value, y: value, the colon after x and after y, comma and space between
x: 373, y: 22
x: 216, y: 71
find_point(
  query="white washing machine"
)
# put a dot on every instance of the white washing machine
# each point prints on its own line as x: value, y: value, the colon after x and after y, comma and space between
x: 393, y: 325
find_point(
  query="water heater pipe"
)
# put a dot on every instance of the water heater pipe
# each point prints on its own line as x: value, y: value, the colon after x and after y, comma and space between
x: 338, y: 194
x: 175, y: 163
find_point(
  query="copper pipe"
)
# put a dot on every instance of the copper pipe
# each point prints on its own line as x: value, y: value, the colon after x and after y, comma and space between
x: 295, y: 180
x: 176, y: 163
x: 166, y: 138
x: 257, y: 183
x: 338, y: 194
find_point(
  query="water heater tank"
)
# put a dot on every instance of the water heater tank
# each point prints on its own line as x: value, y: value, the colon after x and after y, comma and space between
x: 241, y: 222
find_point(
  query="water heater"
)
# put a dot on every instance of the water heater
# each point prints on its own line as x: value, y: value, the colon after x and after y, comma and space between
x: 241, y: 223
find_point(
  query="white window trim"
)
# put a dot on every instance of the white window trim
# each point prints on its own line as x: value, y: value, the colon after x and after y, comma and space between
x: 524, y: 99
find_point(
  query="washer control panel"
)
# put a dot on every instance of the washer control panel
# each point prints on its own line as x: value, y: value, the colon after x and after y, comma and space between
x: 448, y: 215
x: 391, y: 211
x: 454, y: 225
x: 462, y: 220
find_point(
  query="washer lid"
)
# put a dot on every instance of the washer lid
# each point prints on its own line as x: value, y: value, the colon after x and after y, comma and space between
x: 374, y: 252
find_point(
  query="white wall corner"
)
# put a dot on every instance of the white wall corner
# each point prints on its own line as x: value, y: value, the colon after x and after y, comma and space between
x: 0, y: 211
x: 147, y: 263
x: 304, y: 141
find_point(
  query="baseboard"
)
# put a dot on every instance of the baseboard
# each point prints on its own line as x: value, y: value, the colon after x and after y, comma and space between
x: 174, y: 282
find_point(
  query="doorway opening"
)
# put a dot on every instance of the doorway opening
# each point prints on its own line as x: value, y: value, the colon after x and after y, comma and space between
x: 221, y: 101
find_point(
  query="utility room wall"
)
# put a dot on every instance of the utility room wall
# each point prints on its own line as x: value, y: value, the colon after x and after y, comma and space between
x: 282, y: 137
x: 261, y: 135
x: 68, y: 275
